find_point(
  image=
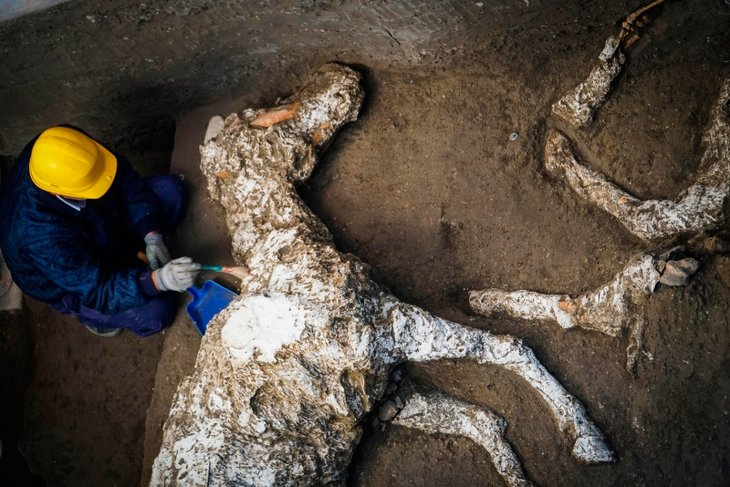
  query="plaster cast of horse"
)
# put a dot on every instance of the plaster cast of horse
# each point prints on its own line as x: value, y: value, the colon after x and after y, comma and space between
x: 287, y: 373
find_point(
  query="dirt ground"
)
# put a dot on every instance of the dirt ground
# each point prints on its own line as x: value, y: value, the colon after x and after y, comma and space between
x: 438, y: 208
x: 428, y: 189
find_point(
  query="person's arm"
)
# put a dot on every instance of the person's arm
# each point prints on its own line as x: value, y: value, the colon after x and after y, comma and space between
x: 142, y: 209
x: 77, y: 269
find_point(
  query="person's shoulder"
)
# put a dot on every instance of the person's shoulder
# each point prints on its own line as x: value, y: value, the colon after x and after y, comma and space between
x: 31, y: 209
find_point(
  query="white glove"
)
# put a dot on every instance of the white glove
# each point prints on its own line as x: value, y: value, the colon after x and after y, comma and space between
x: 177, y: 275
x: 157, y: 253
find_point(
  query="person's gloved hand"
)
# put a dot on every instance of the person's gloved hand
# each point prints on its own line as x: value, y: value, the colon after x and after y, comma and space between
x: 177, y: 275
x: 156, y: 251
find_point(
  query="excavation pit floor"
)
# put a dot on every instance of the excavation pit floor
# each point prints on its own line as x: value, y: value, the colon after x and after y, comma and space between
x: 429, y: 189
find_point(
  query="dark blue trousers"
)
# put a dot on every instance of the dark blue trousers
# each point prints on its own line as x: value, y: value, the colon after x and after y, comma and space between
x: 159, y: 312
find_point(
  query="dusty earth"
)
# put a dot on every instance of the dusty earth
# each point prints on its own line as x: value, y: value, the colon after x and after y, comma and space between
x: 428, y: 189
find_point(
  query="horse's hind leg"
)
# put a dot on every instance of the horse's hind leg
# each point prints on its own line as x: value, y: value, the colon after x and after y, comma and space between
x: 422, y: 337
x: 434, y: 412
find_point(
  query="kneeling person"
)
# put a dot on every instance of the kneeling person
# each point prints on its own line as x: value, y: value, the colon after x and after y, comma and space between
x: 74, y: 216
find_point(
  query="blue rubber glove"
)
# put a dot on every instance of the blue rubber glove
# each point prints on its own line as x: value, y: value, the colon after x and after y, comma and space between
x: 177, y: 275
x: 157, y: 253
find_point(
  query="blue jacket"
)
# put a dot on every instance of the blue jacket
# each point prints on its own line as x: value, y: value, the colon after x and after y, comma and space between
x: 53, y: 250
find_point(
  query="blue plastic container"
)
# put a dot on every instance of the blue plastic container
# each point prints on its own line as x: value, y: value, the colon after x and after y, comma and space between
x: 207, y: 302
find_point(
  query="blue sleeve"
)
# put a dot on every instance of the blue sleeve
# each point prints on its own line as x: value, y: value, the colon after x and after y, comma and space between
x: 139, y: 200
x: 73, y: 267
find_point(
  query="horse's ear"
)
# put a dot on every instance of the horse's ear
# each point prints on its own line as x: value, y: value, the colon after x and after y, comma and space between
x: 215, y: 127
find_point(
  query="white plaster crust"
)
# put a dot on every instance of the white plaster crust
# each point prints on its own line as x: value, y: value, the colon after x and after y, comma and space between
x: 437, y: 413
x: 607, y: 309
x: 286, y: 374
x: 698, y: 208
x: 613, y: 309
x: 578, y: 106
x: 617, y: 307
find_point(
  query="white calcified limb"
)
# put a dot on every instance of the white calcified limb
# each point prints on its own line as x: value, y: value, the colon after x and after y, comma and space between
x: 281, y: 381
x: 612, y: 309
x: 579, y: 104
x: 437, y: 413
x: 526, y: 305
x: 697, y: 208
x: 421, y: 337
x: 608, y: 309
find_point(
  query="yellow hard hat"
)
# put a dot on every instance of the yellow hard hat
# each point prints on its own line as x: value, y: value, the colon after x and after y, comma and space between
x: 64, y: 161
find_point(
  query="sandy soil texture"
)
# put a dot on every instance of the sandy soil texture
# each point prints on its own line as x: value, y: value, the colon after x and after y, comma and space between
x: 428, y: 189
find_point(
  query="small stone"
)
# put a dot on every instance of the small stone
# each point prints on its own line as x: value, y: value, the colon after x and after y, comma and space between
x: 514, y: 136
x: 678, y: 272
x: 387, y: 411
x: 398, y: 375
x: 215, y: 127
x: 399, y: 402
x: 717, y: 245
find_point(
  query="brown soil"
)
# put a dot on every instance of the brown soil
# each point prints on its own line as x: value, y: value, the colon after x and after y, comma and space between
x: 439, y: 207
x: 427, y: 188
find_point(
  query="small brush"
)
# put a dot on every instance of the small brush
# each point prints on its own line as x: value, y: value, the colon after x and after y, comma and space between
x: 236, y: 271
x: 240, y: 271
